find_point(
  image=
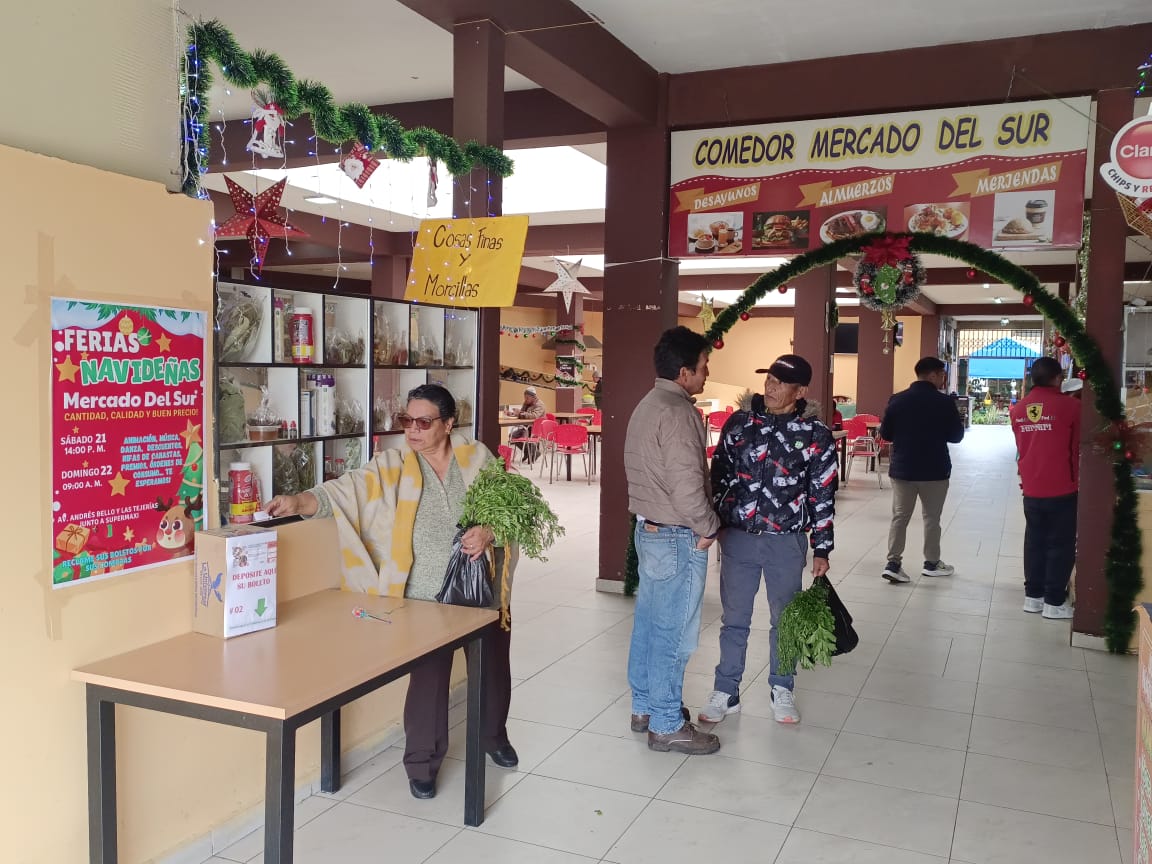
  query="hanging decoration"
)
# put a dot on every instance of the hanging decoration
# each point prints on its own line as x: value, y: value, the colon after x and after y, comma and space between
x: 258, y: 218
x: 1122, y: 564
x: 1137, y: 213
x: 707, y: 312
x: 358, y: 164
x: 888, y: 278
x: 526, y: 376
x: 566, y: 282
x: 209, y: 42
x: 542, y: 330
x: 433, y: 182
x: 267, y: 137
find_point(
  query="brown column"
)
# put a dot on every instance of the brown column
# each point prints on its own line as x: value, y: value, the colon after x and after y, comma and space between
x: 875, y: 368
x: 1104, y: 318
x: 930, y: 336
x: 811, y: 337
x: 569, y: 398
x: 389, y: 276
x: 640, y: 302
x: 478, y: 115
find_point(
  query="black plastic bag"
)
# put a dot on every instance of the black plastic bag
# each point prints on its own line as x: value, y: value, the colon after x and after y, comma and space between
x: 845, y: 633
x: 466, y: 582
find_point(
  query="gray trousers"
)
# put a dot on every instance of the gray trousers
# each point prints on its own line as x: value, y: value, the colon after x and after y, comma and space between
x: 780, y: 558
x: 904, y: 494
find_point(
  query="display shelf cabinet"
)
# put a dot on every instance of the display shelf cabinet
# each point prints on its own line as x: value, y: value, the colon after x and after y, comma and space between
x: 374, y: 351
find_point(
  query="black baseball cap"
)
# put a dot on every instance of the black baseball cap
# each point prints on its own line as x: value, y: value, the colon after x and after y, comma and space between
x: 790, y: 369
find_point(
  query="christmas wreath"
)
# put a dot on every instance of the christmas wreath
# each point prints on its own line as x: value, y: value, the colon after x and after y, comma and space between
x: 888, y: 278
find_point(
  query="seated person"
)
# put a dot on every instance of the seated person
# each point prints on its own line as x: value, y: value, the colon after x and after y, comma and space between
x: 532, y: 409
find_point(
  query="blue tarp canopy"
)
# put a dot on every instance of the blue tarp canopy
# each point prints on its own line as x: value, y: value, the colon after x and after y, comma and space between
x: 1004, y: 358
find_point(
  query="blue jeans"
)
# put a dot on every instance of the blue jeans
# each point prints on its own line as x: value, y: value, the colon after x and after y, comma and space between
x: 666, y: 628
x: 744, y: 557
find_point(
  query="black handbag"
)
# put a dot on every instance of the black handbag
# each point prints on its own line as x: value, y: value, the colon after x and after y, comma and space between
x: 466, y: 582
x: 842, y: 629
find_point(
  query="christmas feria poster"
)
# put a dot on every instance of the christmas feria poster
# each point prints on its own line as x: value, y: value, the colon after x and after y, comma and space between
x: 127, y: 439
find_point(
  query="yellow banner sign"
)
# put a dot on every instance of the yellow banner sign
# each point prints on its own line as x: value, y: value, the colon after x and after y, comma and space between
x: 824, y: 194
x: 467, y: 262
x: 983, y: 182
x: 697, y: 200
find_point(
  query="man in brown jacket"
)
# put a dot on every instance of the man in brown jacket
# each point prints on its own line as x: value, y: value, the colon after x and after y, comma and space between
x: 668, y: 491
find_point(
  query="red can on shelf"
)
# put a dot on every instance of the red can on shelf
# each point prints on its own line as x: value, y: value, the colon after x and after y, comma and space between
x: 243, y: 502
x: 303, y: 335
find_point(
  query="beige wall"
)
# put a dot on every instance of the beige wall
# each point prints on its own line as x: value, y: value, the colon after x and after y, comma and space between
x: 753, y: 344
x: 845, y: 367
x: 526, y: 353
x: 75, y: 231
x: 748, y: 346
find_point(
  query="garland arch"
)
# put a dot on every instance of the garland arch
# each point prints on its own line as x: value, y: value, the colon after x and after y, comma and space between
x: 1122, y: 567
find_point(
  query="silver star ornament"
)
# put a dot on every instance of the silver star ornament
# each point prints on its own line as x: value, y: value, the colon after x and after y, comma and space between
x: 566, y: 282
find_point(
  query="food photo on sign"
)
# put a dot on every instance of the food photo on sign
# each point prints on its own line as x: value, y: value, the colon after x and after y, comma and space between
x: 716, y: 233
x: 127, y: 443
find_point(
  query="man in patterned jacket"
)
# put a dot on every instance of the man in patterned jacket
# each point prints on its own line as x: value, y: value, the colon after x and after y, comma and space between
x: 773, y: 482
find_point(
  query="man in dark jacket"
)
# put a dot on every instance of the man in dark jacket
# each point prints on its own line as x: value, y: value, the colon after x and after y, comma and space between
x: 773, y: 482
x: 1046, y: 424
x: 920, y: 422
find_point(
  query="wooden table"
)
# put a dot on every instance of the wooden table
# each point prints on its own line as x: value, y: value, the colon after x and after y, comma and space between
x: 569, y: 416
x: 316, y: 659
x: 593, y: 445
x: 840, y: 439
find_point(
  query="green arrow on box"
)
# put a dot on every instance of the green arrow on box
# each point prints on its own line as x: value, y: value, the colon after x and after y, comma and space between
x: 261, y: 606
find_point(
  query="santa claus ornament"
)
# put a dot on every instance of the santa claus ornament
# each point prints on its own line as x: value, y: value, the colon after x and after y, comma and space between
x: 359, y: 164
x: 267, y: 137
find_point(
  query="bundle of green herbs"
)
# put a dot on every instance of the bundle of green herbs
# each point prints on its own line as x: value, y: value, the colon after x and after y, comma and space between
x: 806, y: 632
x: 512, y: 506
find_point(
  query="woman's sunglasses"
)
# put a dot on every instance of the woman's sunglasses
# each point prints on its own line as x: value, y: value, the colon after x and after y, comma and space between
x: 421, y: 423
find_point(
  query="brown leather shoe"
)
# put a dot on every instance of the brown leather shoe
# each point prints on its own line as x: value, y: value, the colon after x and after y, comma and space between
x: 640, y: 721
x: 687, y: 739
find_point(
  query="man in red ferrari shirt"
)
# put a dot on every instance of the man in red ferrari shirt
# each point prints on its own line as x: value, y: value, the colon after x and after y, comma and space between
x: 1046, y: 424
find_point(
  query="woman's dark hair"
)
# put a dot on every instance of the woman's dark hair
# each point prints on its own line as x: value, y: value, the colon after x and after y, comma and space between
x: 438, y: 396
x: 678, y: 348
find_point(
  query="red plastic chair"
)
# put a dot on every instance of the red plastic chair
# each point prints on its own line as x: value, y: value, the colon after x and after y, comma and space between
x: 588, y: 413
x: 551, y: 417
x: 860, y: 443
x: 710, y: 451
x: 539, y: 436
x: 716, y: 421
x: 570, y: 440
x: 507, y: 454
x: 598, y: 418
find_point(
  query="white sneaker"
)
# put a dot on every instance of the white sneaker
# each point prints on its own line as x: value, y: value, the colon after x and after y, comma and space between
x: 784, y: 706
x: 719, y: 706
x: 1033, y: 604
x: 1057, y: 612
x: 937, y: 568
x: 894, y: 573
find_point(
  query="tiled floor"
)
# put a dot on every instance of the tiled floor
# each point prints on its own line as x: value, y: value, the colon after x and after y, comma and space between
x: 959, y: 730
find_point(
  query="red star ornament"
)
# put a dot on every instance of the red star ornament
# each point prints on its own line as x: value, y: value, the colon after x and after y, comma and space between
x: 258, y: 218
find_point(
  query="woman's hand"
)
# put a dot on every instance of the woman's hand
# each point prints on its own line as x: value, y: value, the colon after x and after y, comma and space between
x: 304, y: 504
x: 476, y: 541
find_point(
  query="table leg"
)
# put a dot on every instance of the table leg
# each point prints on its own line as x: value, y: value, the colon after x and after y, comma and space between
x: 474, y: 751
x: 843, y: 442
x: 330, y: 751
x: 101, y: 779
x: 279, y: 801
x: 569, y: 458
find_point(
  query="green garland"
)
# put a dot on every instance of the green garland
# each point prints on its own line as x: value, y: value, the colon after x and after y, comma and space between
x: 1122, y: 567
x: 511, y: 373
x: 210, y: 41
